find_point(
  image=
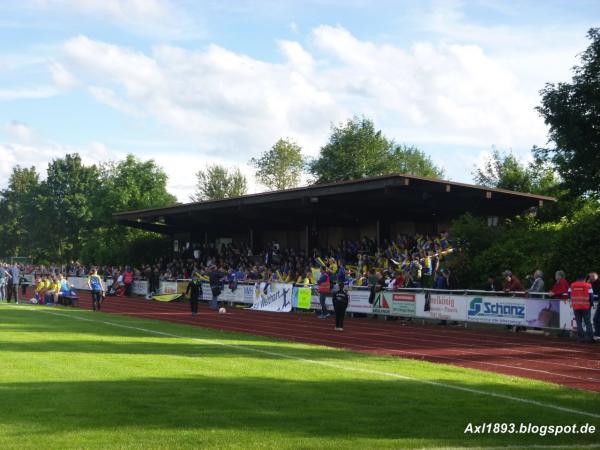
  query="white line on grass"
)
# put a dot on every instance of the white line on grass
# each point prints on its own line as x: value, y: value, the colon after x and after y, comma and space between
x: 335, y: 366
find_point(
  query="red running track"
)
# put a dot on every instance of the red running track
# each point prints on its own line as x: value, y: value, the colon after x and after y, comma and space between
x: 551, y: 359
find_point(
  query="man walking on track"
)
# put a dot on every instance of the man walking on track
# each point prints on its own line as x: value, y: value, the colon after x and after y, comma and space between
x: 215, y: 278
x: 340, y: 303
x: 582, y: 296
x: 96, y: 285
x: 194, y: 290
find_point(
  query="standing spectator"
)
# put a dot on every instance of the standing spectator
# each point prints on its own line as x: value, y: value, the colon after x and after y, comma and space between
x: 511, y: 282
x: 13, y: 283
x: 96, y: 285
x: 372, y: 284
x: 324, y: 288
x: 128, y: 280
x: 4, y: 277
x: 537, y: 285
x: 595, y: 282
x: 492, y: 284
x: 194, y: 292
x: 582, y: 296
x: 561, y: 287
x: 340, y: 304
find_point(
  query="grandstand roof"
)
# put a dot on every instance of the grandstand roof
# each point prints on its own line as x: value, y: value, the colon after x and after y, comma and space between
x: 396, y: 196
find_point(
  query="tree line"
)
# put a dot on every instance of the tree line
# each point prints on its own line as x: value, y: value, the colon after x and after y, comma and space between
x: 68, y: 215
x: 355, y: 149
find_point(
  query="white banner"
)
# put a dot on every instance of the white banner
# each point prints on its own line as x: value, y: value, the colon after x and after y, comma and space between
x: 274, y: 297
x: 498, y: 310
x: 442, y: 306
x: 359, y: 302
x: 140, y: 287
x: 243, y: 293
x: 79, y: 283
x: 567, y: 318
x: 168, y: 287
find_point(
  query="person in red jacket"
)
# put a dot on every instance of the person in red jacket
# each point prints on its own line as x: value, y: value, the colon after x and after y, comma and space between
x: 324, y: 288
x: 128, y: 280
x: 582, y: 296
x: 561, y: 287
x: 511, y: 282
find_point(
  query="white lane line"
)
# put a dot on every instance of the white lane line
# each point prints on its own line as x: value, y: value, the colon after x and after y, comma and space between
x: 334, y: 366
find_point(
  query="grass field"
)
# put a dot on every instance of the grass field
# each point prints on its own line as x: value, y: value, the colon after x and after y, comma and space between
x: 74, y: 379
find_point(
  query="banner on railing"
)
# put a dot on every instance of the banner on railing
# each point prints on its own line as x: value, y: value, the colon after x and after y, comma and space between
x: 542, y: 313
x: 242, y: 293
x: 567, y: 318
x: 274, y: 297
x: 402, y: 304
x: 139, y: 287
x: 432, y: 305
x: 359, y: 302
x: 496, y: 310
x: 168, y: 287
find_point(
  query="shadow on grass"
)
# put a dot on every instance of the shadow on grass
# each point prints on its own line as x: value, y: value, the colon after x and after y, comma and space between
x: 330, y: 409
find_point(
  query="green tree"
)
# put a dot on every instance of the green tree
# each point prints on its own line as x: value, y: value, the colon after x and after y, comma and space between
x: 357, y: 150
x: 216, y: 183
x: 126, y: 185
x: 505, y: 171
x: 17, y: 209
x: 572, y: 113
x: 66, y: 200
x: 281, y: 166
x: 134, y: 184
x: 412, y: 161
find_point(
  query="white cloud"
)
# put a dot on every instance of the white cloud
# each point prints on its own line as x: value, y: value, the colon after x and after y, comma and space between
x: 110, y: 98
x: 149, y: 17
x: 21, y: 131
x: 27, y: 93
x: 232, y: 106
x: 61, y: 76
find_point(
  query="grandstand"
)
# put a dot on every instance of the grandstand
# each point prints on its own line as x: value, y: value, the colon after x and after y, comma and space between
x: 321, y: 215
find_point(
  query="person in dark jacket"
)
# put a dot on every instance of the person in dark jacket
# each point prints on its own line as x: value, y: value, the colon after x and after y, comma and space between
x: 215, y: 279
x: 492, y: 284
x: 194, y: 292
x: 340, y: 303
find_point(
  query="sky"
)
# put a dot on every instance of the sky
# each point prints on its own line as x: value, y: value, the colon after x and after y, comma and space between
x: 193, y: 83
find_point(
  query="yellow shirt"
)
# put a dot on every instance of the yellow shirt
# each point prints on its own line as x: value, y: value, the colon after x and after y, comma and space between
x: 40, y: 286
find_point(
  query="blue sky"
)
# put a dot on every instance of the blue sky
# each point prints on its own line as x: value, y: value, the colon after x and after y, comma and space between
x: 192, y: 83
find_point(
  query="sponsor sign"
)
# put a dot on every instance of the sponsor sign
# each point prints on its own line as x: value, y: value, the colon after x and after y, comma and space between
x: 168, y: 287
x: 542, y: 313
x: 402, y: 304
x: 274, y: 297
x: 243, y: 293
x: 567, y: 318
x: 499, y: 310
x: 395, y: 304
x: 359, y: 301
x: 441, y: 306
x: 139, y: 287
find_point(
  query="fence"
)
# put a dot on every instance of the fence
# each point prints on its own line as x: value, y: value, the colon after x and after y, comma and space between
x: 515, y: 308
